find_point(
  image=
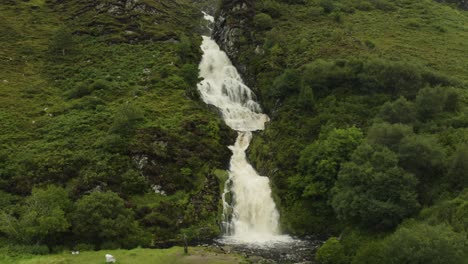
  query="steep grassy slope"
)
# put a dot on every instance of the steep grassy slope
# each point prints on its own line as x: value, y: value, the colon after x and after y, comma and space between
x: 95, y: 95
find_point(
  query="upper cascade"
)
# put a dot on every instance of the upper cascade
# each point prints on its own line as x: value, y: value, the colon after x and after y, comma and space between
x: 222, y: 87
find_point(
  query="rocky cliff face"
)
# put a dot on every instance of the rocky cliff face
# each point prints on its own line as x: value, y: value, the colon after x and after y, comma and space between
x: 231, y: 32
x: 129, y: 20
x: 462, y: 4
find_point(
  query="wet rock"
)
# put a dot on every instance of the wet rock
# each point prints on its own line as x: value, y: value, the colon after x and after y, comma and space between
x: 232, y: 31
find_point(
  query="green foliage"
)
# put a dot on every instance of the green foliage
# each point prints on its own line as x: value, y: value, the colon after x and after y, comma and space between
x: 132, y: 182
x: 432, y: 101
x: 263, y: 21
x: 319, y: 162
x: 458, y: 168
x: 453, y: 212
x: 272, y: 8
x: 418, y: 243
x: 185, y: 48
x: 331, y: 252
x: 286, y: 84
x: 101, y: 217
x: 61, y: 42
x: 422, y: 155
x: 398, y: 111
x: 372, y: 192
x: 388, y: 135
x: 42, y: 218
x: 126, y: 119
x: 113, y: 109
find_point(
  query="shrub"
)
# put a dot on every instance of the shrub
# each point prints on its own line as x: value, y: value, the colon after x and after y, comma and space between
x: 272, y: 8
x: 263, y: 21
x: 286, y: 84
x: 78, y: 91
x: 384, y: 5
x: 125, y: 119
x: 418, y: 243
x: 331, y: 252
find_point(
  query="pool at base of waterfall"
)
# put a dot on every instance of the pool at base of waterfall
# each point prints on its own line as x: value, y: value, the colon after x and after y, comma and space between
x: 281, y: 249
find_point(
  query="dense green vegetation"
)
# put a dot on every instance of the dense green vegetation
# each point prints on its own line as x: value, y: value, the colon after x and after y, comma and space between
x: 101, y: 145
x: 104, y: 145
x: 369, y: 128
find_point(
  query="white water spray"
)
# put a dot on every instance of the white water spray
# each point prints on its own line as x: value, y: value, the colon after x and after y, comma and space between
x: 254, y: 215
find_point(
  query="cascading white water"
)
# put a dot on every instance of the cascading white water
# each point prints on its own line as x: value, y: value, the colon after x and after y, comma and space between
x: 254, y: 215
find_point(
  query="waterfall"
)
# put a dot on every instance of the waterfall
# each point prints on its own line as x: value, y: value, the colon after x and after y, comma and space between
x: 252, y: 216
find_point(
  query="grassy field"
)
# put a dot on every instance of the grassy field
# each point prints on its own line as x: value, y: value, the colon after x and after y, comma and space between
x: 140, y: 256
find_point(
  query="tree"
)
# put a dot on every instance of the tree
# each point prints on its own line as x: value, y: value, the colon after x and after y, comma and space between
x: 423, y: 156
x: 372, y: 192
x: 286, y: 84
x: 42, y: 218
x: 458, y: 171
x: 399, y: 111
x: 388, y: 135
x: 320, y: 161
x: 419, y: 243
x: 429, y: 102
x: 102, y: 217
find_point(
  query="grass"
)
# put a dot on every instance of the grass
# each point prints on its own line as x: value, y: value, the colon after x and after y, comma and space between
x: 423, y: 32
x: 135, y: 256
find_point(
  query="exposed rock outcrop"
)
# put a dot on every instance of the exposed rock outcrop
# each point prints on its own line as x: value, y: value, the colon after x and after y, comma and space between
x: 462, y: 4
x: 231, y: 32
x: 129, y: 21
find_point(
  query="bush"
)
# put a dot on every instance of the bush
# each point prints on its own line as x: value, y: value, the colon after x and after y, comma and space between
x: 384, y: 5
x: 419, y: 243
x: 328, y: 6
x: 271, y: 8
x: 84, y: 247
x: 125, y: 119
x: 332, y: 252
x: 101, y: 85
x: 286, y: 84
x: 263, y: 21
x: 79, y: 91
x: 364, y: 5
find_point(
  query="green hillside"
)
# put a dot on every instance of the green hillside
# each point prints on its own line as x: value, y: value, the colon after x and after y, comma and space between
x: 105, y: 145
x: 97, y: 95
x: 369, y: 128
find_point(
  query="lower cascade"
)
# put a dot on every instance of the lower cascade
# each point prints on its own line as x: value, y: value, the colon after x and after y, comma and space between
x: 252, y: 216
